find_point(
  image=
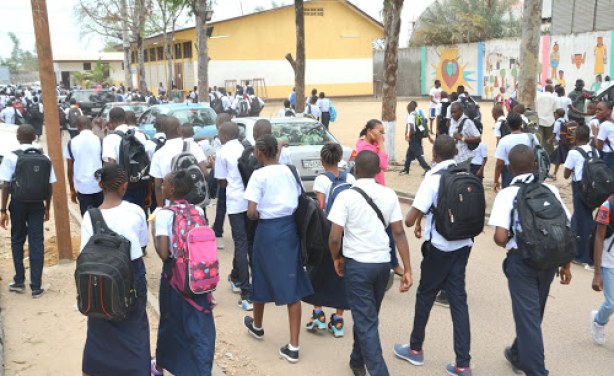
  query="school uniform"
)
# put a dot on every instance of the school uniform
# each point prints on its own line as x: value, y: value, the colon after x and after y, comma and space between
x: 602, y: 317
x: 220, y: 207
x: 329, y: 288
x: 313, y: 110
x: 85, y: 150
x: 226, y: 168
x: 186, y: 335
x: 505, y: 146
x: 366, y: 249
x: 122, y: 347
x: 529, y: 287
x: 324, y: 105
x: 481, y: 153
x: 26, y: 221
x: 606, y: 134
x: 415, y: 149
x: 469, y: 131
x: 560, y: 154
x: 277, y: 272
x: 498, y: 124
x: 161, y: 163
x: 582, y: 218
x: 435, y: 95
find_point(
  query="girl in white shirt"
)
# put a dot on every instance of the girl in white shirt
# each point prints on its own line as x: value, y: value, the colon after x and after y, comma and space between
x: 277, y: 272
x: 122, y: 347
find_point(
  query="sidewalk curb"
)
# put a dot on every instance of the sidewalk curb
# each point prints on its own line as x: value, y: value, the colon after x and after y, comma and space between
x: 152, y: 301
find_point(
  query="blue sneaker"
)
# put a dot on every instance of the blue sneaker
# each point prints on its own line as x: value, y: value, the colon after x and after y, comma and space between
x: 335, y: 326
x: 406, y: 353
x: 246, y: 304
x: 234, y: 286
x: 453, y: 370
x: 317, y: 321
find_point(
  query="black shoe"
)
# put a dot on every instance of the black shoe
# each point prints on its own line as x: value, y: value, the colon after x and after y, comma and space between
x: 17, y: 287
x: 248, y: 321
x: 513, y: 359
x: 358, y: 371
x: 290, y: 355
x: 442, y: 299
x: 37, y: 293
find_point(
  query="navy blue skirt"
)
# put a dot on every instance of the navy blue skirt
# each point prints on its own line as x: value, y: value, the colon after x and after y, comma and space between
x: 277, y: 273
x: 186, y: 336
x: 120, y: 348
x: 329, y: 288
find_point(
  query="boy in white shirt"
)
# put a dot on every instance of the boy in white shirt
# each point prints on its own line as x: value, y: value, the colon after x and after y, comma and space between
x: 478, y: 163
x: 435, y: 96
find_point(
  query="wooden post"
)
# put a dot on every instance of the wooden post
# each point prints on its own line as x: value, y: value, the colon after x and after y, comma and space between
x: 52, y: 127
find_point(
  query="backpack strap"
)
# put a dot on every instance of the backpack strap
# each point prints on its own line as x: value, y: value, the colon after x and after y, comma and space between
x: 297, y: 177
x: 461, y: 125
x: 68, y: 146
x: 583, y: 153
x: 98, y: 223
x: 371, y: 204
x: 185, y: 146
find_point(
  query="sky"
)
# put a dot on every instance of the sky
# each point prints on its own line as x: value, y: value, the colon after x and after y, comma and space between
x: 65, y: 30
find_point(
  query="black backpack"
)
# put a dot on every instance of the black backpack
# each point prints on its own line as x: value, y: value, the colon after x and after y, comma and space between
x: 34, y: 113
x: 470, y: 109
x: 290, y: 113
x: 461, y: 204
x: 133, y: 157
x: 247, y: 164
x: 30, y: 181
x: 186, y: 161
x: 159, y: 141
x: 73, y: 114
x: 504, y: 129
x: 217, y: 104
x: 104, y: 277
x: 470, y: 145
x: 546, y: 239
x: 542, y: 160
x: 311, y: 224
x: 597, y: 180
x: 255, y: 106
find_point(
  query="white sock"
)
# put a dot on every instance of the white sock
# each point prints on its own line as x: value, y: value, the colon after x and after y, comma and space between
x: 256, y: 328
x: 292, y: 348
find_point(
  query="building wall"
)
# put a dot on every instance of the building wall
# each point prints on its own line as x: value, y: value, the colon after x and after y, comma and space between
x: 116, y: 73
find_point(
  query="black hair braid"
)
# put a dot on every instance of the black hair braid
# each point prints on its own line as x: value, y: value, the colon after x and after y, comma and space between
x: 331, y: 153
x: 182, y: 182
x: 112, y: 177
x: 267, y: 144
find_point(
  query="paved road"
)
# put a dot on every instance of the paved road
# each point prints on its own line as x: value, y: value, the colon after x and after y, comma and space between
x: 569, y: 348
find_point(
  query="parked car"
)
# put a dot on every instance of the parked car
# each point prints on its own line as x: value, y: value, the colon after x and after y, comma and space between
x: 91, y: 101
x: 304, y: 138
x: 102, y: 117
x: 605, y: 94
x: 201, y: 116
x: 8, y: 135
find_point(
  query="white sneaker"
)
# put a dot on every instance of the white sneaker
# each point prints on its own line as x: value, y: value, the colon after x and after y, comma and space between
x: 246, y: 304
x: 598, y: 331
x: 220, y: 242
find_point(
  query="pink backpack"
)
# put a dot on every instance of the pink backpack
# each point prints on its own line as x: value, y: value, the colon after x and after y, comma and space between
x: 195, y: 263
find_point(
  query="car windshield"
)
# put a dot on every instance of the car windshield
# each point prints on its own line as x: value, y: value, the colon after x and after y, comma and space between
x: 195, y: 116
x: 93, y: 96
x: 296, y: 134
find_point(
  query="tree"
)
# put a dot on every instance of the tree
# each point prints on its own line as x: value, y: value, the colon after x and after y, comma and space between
x: 392, y: 28
x: 100, y: 73
x: 20, y: 60
x: 529, y: 51
x: 465, y: 21
x: 298, y: 65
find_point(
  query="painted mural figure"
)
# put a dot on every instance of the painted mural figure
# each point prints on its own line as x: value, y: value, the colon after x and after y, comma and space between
x: 578, y: 59
x: 601, y: 58
x: 555, y: 57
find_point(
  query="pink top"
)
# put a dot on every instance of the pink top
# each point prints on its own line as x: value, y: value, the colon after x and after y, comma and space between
x: 383, y: 158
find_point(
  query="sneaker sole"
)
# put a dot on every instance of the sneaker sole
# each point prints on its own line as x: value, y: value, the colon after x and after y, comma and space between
x: 19, y: 291
x: 593, y: 315
x: 289, y: 359
x: 412, y: 361
x: 446, y: 305
x: 246, y: 309
x: 252, y: 333
x: 336, y: 334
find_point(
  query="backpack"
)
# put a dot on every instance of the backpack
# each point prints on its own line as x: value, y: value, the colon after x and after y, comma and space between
x: 542, y: 160
x: 30, y: 181
x: 339, y: 184
x: 332, y: 112
x: 243, y: 108
x: 420, y: 121
x: 133, y: 157
x: 470, y: 145
x: 247, y: 164
x: 568, y: 134
x: 19, y: 106
x: 62, y: 118
x: 290, y: 113
x: 194, y: 268
x: 103, y: 274
x: 470, y: 109
x: 34, y: 113
x: 608, y: 232
x: 310, y: 223
x: 546, y: 239
x: 597, y: 180
x: 255, y: 106
x: 444, y: 109
x: 217, y: 104
x: 159, y: 141
x: 461, y: 204
x: 73, y: 114
x: 186, y: 161
x: 309, y: 114
x: 504, y: 129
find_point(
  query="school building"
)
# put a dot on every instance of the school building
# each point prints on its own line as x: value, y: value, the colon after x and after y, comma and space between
x: 339, y: 40
x: 64, y: 65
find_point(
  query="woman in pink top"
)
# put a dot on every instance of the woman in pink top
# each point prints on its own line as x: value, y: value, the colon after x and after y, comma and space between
x: 372, y: 138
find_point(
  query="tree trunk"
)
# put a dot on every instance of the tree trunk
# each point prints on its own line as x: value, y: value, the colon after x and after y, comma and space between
x: 200, y: 12
x: 168, y: 50
x: 299, y: 66
x: 392, y: 27
x: 529, y: 51
x: 141, y: 13
x: 126, y: 44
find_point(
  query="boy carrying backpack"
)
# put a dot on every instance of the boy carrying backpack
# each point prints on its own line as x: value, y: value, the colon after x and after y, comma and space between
x: 416, y: 130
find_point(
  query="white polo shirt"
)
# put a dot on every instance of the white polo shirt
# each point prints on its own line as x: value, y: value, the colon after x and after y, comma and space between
x: 575, y: 161
x: 365, y: 239
x: 275, y: 190
x: 7, y: 167
x: 481, y: 153
x: 606, y: 134
x: 226, y: 167
x: 508, y: 142
x: 501, y: 213
x: 111, y: 143
x: 323, y: 104
x: 86, y: 149
x: 498, y: 123
x: 470, y: 131
x: 163, y: 158
x: 426, y: 197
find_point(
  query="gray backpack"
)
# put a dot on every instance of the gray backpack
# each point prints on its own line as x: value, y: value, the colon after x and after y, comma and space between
x: 186, y: 161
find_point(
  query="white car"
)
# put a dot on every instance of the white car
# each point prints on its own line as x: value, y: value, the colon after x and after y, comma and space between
x: 304, y: 137
x: 8, y: 135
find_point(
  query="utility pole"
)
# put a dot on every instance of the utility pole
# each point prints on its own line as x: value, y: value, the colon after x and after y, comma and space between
x: 52, y: 127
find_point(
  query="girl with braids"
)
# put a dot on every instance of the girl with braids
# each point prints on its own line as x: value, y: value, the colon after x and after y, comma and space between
x: 122, y: 347
x: 328, y: 286
x: 277, y: 274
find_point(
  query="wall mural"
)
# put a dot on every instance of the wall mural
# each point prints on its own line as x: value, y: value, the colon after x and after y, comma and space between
x: 501, y: 66
x: 453, y: 66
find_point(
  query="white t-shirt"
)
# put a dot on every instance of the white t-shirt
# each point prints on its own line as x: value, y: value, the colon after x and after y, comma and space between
x: 9, y: 162
x: 469, y: 130
x: 111, y: 143
x: 86, y: 150
x: 435, y: 94
x: 314, y: 110
x: 163, y: 158
x: 323, y: 104
x: 500, y: 215
x: 164, y: 224
x: 365, y: 239
x: 226, y: 167
x: 498, y: 123
x: 481, y: 153
x: 426, y: 197
x: 126, y: 219
x: 575, y: 161
x: 606, y: 134
x: 564, y: 103
x: 558, y: 123
x: 275, y: 190
x: 603, y: 217
x: 322, y: 184
x: 508, y: 142
x: 284, y: 156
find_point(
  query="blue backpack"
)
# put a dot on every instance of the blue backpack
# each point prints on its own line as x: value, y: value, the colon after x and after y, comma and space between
x: 332, y: 111
x: 339, y: 184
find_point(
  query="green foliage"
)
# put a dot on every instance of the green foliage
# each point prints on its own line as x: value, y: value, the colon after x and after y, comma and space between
x: 20, y: 60
x: 465, y: 21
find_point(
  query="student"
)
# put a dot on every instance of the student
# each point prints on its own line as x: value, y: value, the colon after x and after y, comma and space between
x: 499, y: 117
x: 314, y: 93
x: 605, y: 137
x: 9, y: 114
x: 478, y: 163
x: 470, y: 133
x: 328, y: 286
x: 186, y: 335
x: 582, y: 218
x: 256, y: 104
x: 228, y: 176
x: 529, y: 287
x: 323, y: 105
x: 603, y: 279
x: 187, y: 132
x: 443, y: 267
x: 220, y: 207
x: 545, y: 105
x: 435, y: 97
x: 415, y: 132
x: 561, y: 151
x: 119, y: 347
x: 26, y: 217
x: 83, y: 156
x: 278, y: 274
x: 500, y: 98
x: 72, y: 113
x: 442, y: 110
x: 514, y: 121
x: 292, y: 98
x: 312, y: 110
x: 366, y: 255
x: 287, y: 111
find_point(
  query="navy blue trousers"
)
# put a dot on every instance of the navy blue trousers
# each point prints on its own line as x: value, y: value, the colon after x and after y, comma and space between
x: 220, y: 212
x: 243, y: 246
x: 88, y: 201
x: 582, y: 223
x: 27, y: 221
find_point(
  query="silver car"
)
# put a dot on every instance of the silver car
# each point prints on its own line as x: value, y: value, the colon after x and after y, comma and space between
x: 304, y: 138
